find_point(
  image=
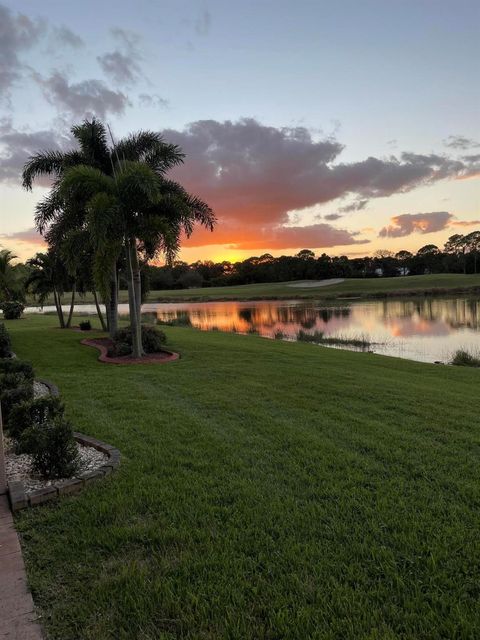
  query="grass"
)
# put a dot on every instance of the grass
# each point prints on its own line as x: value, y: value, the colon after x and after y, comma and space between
x: 268, y: 490
x: 366, y: 288
x: 320, y: 338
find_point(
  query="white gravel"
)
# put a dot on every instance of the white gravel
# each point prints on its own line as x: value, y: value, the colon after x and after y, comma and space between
x: 18, y: 467
x: 40, y: 390
x: 310, y: 284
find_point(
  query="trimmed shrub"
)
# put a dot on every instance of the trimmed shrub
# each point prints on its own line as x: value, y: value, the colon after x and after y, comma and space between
x: 16, y: 386
x: 10, y: 398
x: 5, y: 343
x: 153, y: 340
x: 10, y: 366
x: 52, y: 447
x: 86, y: 325
x: 12, y: 310
x: 33, y: 412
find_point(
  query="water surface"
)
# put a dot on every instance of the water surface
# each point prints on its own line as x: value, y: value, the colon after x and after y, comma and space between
x: 428, y: 329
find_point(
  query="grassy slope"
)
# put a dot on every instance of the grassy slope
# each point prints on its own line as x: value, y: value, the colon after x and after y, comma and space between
x: 267, y: 490
x: 440, y: 283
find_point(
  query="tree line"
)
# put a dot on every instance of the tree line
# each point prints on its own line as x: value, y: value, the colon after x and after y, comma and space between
x: 458, y: 255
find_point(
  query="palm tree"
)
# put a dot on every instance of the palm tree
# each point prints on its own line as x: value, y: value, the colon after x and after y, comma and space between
x: 136, y: 211
x: 48, y: 276
x: 11, y: 282
x: 94, y: 151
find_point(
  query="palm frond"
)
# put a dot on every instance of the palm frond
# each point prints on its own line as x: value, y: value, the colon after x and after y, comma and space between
x: 48, y: 209
x: 91, y: 136
x: 150, y: 147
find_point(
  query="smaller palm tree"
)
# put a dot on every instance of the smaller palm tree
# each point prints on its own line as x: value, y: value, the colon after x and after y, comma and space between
x: 48, y: 277
x: 11, y: 278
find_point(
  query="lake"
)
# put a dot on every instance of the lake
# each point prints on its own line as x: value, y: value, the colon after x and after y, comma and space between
x: 428, y: 329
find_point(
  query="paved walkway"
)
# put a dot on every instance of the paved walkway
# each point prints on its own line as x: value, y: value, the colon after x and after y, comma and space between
x: 17, y: 614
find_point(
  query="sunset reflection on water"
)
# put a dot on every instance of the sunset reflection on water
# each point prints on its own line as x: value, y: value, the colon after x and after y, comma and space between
x: 425, y: 329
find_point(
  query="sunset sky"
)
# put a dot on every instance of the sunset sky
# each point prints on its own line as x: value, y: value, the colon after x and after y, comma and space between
x: 342, y: 127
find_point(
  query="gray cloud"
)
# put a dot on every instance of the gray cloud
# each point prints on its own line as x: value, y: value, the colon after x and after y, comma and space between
x: 82, y: 99
x: 249, y: 172
x: 250, y: 237
x: 152, y: 100
x: 333, y: 216
x: 29, y: 236
x: 460, y: 142
x: 408, y: 223
x: 203, y: 23
x: 119, y: 67
x: 122, y: 64
x: 18, y: 33
x: 475, y: 158
x: 16, y: 146
x: 358, y: 205
x: 64, y: 35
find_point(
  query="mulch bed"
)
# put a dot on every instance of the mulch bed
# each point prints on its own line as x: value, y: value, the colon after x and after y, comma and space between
x: 103, y: 345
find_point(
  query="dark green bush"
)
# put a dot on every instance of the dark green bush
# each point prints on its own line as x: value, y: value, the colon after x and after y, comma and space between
x: 52, y: 447
x: 10, y: 398
x: 16, y: 366
x: 462, y: 358
x: 33, y: 412
x: 86, y: 325
x: 5, y: 344
x: 12, y: 310
x: 153, y: 340
x: 16, y: 386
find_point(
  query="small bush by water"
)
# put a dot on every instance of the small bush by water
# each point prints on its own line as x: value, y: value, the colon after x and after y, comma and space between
x: 463, y: 358
x: 12, y: 310
x: 319, y: 338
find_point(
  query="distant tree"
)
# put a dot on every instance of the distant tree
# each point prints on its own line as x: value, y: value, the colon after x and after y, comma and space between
x: 404, y: 258
x: 456, y: 246
x: 306, y: 254
x: 472, y: 242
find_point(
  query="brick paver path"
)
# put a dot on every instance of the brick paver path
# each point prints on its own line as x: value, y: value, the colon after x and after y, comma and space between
x: 17, y: 613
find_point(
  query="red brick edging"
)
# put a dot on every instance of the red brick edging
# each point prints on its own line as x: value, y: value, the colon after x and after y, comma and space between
x: 102, y: 345
x: 20, y: 500
x: 18, y: 619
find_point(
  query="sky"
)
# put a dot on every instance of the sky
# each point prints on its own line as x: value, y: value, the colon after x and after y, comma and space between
x: 341, y: 126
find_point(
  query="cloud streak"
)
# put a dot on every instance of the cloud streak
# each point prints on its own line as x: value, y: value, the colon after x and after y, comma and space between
x: 408, y: 223
x: 123, y: 64
x: 82, y: 99
x: 17, y: 145
x: 18, y: 33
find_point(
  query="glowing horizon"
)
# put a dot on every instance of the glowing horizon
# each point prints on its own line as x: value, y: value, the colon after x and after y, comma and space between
x: 285, y: 158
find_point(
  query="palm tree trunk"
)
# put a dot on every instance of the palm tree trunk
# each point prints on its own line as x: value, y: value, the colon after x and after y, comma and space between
x: 137, y: 281
x: 137, y: 350
x: 72, y: 305
x: 113, y: 303
x: 99, y: 311
x: 58, y: 305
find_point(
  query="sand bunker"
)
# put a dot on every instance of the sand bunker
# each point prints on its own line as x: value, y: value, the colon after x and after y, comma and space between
x: 307, y: 284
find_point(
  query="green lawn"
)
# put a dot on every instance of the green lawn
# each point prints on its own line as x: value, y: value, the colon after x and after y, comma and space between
x: 268, y: 490
x: 370, y: 287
